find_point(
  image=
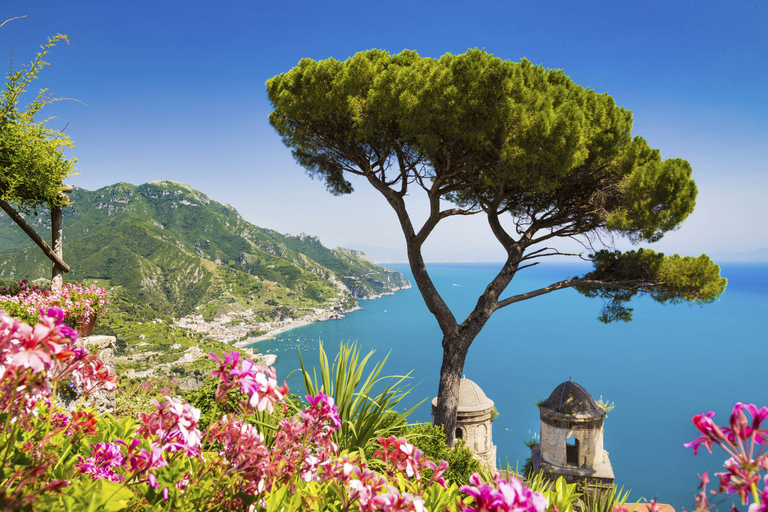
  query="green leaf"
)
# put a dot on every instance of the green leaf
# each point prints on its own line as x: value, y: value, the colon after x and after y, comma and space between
x: 364, y: 403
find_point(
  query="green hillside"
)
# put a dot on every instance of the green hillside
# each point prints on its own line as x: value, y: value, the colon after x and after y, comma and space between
x: 175, y: 250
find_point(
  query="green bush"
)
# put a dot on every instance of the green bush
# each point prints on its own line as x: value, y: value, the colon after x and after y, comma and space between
x: 430, y: 439
x: 135, y: 395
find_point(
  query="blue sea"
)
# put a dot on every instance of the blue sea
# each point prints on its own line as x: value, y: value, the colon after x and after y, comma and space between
x: 669, y: 363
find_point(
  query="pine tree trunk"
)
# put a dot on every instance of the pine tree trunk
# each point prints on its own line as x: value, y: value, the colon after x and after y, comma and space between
x: 454, y: 355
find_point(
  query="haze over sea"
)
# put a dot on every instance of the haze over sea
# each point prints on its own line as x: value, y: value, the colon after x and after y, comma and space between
x: 669, y: 363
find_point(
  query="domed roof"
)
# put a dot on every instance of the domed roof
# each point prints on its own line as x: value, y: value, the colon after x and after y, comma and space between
x: 471, y: 397
x: 571, y: 398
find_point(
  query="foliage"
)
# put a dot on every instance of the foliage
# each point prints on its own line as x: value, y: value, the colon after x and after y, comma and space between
x: 671, y: 279
x: 32, y: 164
x: 490, y: 133
x: 507, y: 140
x: 431, y: 440
x: 154, y: 243
x: 605, y: 405
x: 746, y: 443
x: 79, y: 303
x: 597, y: 499
x: 363, y: 402
x: 135, y: 396
x: 533, y: 439
x: 563, y: 495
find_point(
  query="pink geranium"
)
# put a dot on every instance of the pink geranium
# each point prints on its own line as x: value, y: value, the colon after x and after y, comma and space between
x: 302, y: 454
x: 502, y: 496
x: 78, y: 303
x: 32, y: 359
x: 744, y: 439
x: 403, y: 457
x: 173, y: 426
x: 257, y: 382
x: 105, y: 459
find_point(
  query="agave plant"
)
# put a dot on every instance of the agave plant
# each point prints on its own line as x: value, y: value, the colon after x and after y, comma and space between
x: 561, y: 494
x: 364, y: 402
x: 597, y: 499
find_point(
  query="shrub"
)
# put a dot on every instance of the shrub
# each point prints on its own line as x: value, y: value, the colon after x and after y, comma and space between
x: 431, y: 440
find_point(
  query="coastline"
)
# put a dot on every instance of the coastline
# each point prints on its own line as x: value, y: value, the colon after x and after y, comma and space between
x: 293, y: 324
x: 301, y: 322
x: 232, y: 327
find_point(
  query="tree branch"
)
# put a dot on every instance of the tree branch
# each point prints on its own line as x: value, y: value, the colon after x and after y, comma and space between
x: 33, y: 235
x: 11, y: 19
x: 630, y: 285
x: 537, y: 254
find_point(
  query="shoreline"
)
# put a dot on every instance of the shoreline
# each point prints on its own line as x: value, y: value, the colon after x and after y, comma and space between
x: 273, y: 333
x: 224, y: 329
x: 301, y: 322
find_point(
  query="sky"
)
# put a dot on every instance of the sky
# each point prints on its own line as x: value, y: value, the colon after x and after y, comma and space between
x: 175, y: 90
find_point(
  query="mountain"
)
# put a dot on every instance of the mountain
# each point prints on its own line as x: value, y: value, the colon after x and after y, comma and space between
x: 175, y: 250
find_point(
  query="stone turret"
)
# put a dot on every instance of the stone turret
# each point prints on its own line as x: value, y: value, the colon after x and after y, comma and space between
x: 473, y: 421
x: 572, y: 437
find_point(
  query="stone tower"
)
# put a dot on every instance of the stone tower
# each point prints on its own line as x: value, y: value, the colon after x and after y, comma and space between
x: 572, y: 437
x: 473, y: 421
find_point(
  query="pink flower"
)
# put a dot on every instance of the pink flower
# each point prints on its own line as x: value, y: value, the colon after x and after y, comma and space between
x: 173, y: 426
x: 325, y: 407
x: 82, y: 424
x: 36, y: 360
x: 502, y: 496
x: 104, y: 460
x: 402, y: 456
x: 710, y: 431
x: 745, y: 442
x: 367, y: 485
x: 738, y: 479
x: 259, y: 383
x: 393, y: 501
x: 139, y: 459
x: 230, y: 361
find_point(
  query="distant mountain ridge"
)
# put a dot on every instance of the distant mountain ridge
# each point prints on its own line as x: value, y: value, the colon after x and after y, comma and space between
x: 172, y: 247
x: 755, y: 256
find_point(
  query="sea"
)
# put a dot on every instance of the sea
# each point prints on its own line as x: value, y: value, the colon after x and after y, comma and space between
x: 666, y: 365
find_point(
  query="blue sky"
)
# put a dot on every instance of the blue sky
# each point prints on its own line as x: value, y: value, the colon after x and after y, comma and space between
x: 174, y: 90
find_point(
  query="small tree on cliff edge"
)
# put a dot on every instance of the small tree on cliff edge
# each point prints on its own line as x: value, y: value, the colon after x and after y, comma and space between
x: 32, y: 163
x: 482, y: 136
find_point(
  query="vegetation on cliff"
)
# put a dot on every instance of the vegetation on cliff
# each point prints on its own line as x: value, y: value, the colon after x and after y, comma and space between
x: 175, y: 250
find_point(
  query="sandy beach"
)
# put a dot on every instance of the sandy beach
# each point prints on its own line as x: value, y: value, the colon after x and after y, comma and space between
x: 272, y: 334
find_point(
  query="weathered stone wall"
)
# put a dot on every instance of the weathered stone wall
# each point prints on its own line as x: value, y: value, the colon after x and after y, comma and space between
x: 554, y: 440
x: 102, y: 400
